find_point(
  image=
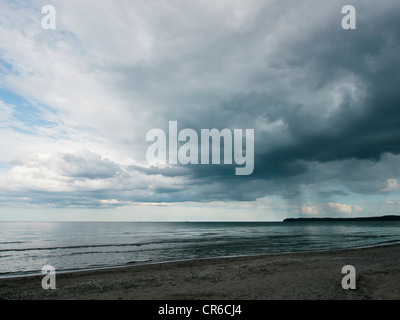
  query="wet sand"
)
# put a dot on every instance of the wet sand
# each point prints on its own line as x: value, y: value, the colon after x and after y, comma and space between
x: 315, y: 276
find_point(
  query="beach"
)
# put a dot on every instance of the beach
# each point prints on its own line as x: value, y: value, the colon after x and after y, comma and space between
x: 313, y: 275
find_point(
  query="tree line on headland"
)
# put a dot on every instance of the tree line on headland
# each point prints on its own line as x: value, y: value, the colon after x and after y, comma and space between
x: 380, y: 218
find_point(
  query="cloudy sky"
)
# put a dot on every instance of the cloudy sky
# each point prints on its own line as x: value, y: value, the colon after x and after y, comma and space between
x: 77, y: 102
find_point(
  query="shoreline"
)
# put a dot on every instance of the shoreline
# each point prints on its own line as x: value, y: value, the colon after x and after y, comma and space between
x: 311, y: 275
x: 133, y: 264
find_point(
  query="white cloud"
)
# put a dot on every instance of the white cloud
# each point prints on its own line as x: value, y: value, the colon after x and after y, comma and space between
x: 68, y: 175
x: 340, y: 207
x: 392, y: 185
x: 309, y: 209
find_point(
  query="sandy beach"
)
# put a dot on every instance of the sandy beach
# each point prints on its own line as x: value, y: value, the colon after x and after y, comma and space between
x: 315, y: 275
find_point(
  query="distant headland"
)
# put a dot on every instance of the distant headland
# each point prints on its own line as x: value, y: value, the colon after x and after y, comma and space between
x: 380, y: 218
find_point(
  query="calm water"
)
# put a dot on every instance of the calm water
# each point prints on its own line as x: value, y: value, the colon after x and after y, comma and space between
x: 25, y: 247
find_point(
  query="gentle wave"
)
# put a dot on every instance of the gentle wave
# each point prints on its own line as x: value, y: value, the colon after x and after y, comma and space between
x: 223, y: 241
x: 11, y: 242
x: 102, y: 245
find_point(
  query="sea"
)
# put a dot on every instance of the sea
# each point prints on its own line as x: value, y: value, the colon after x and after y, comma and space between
x: 26, y: 247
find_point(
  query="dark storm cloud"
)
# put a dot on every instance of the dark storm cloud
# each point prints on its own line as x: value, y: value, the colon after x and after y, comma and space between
x: 359, y: 127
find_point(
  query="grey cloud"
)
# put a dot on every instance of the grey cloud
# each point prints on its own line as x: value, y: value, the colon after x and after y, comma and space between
x: 332, y: 193
x: 88, y: 165
x: 166, y: 172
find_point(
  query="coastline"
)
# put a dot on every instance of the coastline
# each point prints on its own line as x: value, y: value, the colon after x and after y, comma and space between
x: 311, y: 275
x: 149, y: 263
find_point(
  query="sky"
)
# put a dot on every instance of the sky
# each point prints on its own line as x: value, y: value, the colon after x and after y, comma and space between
x: 77, y: 101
